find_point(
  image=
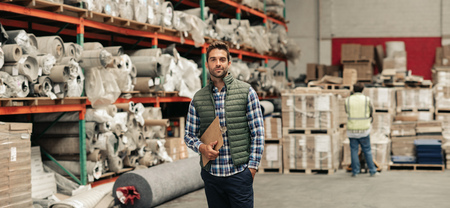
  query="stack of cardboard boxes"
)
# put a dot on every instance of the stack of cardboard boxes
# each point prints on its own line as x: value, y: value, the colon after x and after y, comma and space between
x: 15, y: 160
x: 360, y: 58
x: 310, y: 131
x: 415, y: 104
x: 272, y: 158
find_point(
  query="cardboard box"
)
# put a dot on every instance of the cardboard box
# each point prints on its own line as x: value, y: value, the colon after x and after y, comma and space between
x: 367, y: 52
x: 317, y: 151
x: 421, y: 98
x: 173, y: 145
x: 403, y: 146
x: 311, y: 72
x: 350, y: 76
x: 364, y: 70
x: 273, y: 154
x: 332, y: 70
x: 350, y: 52
x: 381, y: 98
x: 399, y: 129
x: 273, y: 128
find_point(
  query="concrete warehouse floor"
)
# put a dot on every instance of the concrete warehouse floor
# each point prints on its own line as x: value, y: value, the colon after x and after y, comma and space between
x: 391, y: 189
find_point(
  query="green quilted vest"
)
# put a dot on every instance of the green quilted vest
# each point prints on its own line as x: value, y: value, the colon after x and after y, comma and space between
x: 235, y: 116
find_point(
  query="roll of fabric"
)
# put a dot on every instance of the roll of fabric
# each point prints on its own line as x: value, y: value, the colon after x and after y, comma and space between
x: 126, y: 9
x: 151, y: 18
x: 167, y: 11
x: 267, y: 107
x: 162, y: 182
x: 160, y: 132
x: 60, y: 73
x: 111, y: 7
x: 125, y: 64
x: 159, y: 122
x: 89, y: 46
x: 148, y: 160
x: 112, y: 110
x: 156, y: 52
x: 46, y: 62
x: 22, y: 88
x: 73, y: 50
x: 152, y: 113
x: 144, y: 84
x: 103, y: 127
x: 114, y: 50
x: 127, y: 107
x: 60, y: 89
x: 115, y: 164
x: 75, y: 86
x: 2, y: 58
x: 21, y: 38
x: 53, y: 45
x: 140, y: 10
x: 43, y: 87
x: 133, y: 72
x: 95, y: 58
x: 26, y: 66
x: 130, y: 161
x: 154, y: 145
x: 95, y: 156
x: 146, y: 66
x: 33, y: 40
x: 86, y: 199
x: 12, y: 52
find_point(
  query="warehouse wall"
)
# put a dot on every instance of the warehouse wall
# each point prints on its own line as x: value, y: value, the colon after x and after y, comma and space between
x: 422, y: 24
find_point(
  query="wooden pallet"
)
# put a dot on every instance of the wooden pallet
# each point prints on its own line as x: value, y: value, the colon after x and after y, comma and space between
x: 384, y: 110
x: 287, y: 131
x: 331, y: 86
x: 414, y: 110
x: 39, y: 101
x: 270, y: 170
x: 50, y: 7
x: 416, y: 167
x: 310, y: 171
x: 122, y: 22
x: 357, y: 61
x: 157, y: 94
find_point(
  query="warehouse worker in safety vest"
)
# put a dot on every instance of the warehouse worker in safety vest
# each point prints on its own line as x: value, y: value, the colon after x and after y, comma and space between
x: 359, y: 111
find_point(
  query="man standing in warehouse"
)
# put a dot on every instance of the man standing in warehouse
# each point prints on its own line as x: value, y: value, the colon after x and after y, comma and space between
x: 229, y: 174
x: 359, y: 111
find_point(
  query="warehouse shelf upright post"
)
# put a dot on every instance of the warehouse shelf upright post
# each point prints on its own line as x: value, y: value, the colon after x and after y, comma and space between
x: 123, y: 32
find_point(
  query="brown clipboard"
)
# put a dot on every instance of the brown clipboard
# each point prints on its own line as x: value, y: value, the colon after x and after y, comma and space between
x: 212, y: 134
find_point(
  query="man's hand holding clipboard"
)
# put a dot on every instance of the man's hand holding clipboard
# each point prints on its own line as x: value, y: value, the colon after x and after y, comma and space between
x: 212, y: 142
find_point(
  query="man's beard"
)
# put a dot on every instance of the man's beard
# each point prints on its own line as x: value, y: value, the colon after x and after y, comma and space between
x: 225, y: 72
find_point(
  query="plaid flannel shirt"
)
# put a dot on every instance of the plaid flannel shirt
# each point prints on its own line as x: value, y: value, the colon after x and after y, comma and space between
x: 223, y: 164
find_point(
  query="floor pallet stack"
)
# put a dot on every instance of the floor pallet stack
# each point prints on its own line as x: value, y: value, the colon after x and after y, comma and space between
x: 415, y: 104
x: 310, y: 131
x: 360, y: 58
x: 272, y: 158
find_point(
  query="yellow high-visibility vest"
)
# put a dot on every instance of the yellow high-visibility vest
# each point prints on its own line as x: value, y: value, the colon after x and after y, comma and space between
x: 358, y: 109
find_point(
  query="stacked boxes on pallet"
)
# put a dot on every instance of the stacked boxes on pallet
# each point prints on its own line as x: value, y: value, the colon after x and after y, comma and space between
x: 310, y: 136
x: 415, y: 103
x: 403, y: 135
x: 441, y: 80
x: 272, y: 158
x: 15, y: 160
x: 360, y: 58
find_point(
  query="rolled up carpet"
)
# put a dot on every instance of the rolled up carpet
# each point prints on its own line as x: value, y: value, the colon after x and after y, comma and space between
x: 161, y: 183
x: 53, y: 45
x: 87, y: 199
x: 13, y: 52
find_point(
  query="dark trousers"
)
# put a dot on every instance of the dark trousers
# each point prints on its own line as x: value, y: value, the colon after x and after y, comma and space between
x: 231, y: 191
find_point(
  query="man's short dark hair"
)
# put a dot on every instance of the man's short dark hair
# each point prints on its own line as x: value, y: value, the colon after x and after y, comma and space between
x: 218, y: 45
x: 358, y: 87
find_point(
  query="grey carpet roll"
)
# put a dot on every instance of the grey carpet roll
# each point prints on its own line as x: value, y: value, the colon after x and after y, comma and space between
x: 33, y: 40
x: 140, y: 10
x: 95, y: 58
x: 43, y: 86
x: 26, y: 66
x: 73, y: 50
x: 115, y: 50
x: 12, y: 52
x: 111, y: 8
x: 21, y: 38
x: 60, y: 73
x: 146, y: 66
x: 53, y: 45
x: 167, y: 11
x: 92, y: 46
x: 126, y: 9
x: 162, y: 182
x: 156, y: 52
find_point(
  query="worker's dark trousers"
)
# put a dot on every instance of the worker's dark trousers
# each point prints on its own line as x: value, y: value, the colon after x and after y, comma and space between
x: 231, y: 191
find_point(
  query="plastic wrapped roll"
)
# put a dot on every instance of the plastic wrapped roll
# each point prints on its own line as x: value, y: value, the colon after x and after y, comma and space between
x: 156, y: 6
x: 146, y: 66
x: 133, y: 72
x: 89, y: 46
x: 167, y: 11
x: 162, y: 182
x: 21, y: 38
x: 73, y: 50
x: 12, y: 52
x: 159, y: 132
x: 114, y: 50
x: 140, y: 10
x: 103, y: 140
x: 126, y: 9
x: 152, y: 113
x: 115, y: 163
x: 111, y: 7
x: 147, y: 131
x: 46, y: 62
x: 95, y: 58
x: 103, y: 127
x: 157, y: 122
x: 26, y: 66
x: 151, y: 17
x: 33, y: 40
x: 267, y: 107
x: 156, y: 52
x: 75, y: 86
x: 130, y: 161
x: 148, y: 160
x: 43, y: 87
x: 125, y: 64
x: 7, y: 85
x: 95, y: 156
x: 60, y: 89
x: 21, y: 86
x: 111, y: 110
x: 53, y: 45
x: 121, y: 121
x: 2, y: 58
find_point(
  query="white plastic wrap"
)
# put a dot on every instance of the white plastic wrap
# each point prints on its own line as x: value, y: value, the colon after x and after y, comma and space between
x: 101, y: 87
x: 140, y: 10
x: 183, y: 77
x: 98, y: 115
x: 21, y: 38
x: 21, y: 89
x: 260, y: 39
x: 121, y: 121
x: 46, y: 62
x: 7, y: 85
x: 167, y: 11
x: 126, y: 9
x: 240, y: 71
x: 123, y: 79
x: 111, y: 7
x: 75, y: 86
x: 190, y: 23
x: 2, y: 57
x: 27, y: 66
